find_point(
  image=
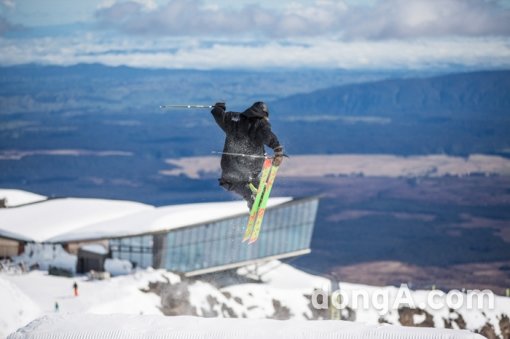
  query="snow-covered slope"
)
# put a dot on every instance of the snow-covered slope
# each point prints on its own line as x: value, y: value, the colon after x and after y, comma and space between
x: 123, y: 326
x: 285, y: 293
x: 118, y: 295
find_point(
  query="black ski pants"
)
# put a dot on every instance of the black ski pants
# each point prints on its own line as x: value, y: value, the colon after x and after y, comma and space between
x: 241, y: 188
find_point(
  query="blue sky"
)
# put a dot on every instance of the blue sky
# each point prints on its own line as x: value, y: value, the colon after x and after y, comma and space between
x: 361, y: 34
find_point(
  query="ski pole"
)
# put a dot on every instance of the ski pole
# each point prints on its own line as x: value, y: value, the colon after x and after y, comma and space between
x: 185, y: 106
x: 242, y: 155
x: 265, y: 156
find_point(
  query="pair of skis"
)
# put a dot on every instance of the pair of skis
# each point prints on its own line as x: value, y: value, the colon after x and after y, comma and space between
x: 258, y: 209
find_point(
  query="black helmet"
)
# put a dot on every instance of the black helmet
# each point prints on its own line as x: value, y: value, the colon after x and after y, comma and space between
x: 262, y: 106
x: 257, y: 110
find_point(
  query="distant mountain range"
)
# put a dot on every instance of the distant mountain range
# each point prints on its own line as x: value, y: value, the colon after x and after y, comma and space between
x: 93, y: 108
x: 456, y: 114
x: 478, y: 94
x: 80, y: 106
x: 94, y: 88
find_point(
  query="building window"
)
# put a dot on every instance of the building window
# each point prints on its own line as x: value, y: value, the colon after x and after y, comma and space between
x: 138, y: 250
x: 286, y: 229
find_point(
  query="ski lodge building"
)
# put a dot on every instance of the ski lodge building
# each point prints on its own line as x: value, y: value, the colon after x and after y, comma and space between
x: 192, y: 239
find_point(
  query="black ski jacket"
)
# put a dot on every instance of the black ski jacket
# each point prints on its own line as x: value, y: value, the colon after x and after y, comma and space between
x: 246, y: 133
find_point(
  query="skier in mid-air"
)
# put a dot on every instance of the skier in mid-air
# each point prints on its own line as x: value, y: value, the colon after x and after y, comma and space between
x: 243, y: 153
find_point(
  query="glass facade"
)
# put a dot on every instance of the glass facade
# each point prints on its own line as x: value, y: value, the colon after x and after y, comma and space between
x: 138, y: 250
x: 286, y: 228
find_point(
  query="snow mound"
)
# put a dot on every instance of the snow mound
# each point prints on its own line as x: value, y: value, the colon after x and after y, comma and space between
x: 118, y: 266
x: 152, y: 326
x: 17, y: 308
x: 280, y: 275
x: 46, y: 255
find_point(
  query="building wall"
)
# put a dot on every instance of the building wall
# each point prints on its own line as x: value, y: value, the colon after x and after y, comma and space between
x: 10, y: 248
x: 287, y: 228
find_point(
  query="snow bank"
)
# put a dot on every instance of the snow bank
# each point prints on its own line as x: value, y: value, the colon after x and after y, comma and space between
x: 132, y: 326
x: 277, y: 274
x: 16, y: 309
x: 117, y: 266
x: 475, y: 317
x: 26, y: 297
x: 46, y: 255
x: 285, y: 293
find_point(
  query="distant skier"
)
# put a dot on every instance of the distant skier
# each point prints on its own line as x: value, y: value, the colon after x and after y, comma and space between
x: 246, y: 134
x: 75, y: 289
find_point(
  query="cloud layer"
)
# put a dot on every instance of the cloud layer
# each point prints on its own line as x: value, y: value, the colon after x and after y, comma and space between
x: 387, y: 34
x: 388, y: 19
x: 312, y: 53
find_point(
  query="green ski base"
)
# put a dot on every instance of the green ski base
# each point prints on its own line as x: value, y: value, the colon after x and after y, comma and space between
x: 266, y: 168
x: 262, y: 206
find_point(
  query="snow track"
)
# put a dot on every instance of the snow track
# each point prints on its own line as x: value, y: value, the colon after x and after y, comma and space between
x: 149, y: 326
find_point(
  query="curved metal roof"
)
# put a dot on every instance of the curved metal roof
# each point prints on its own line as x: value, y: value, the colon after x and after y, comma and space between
x: 75, y: 219
x: 18, y: 197
x: 160, y: 219
x: 42, y: 221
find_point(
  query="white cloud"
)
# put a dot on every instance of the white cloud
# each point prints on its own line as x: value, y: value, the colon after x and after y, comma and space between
x: 146, y: 4
x: 424, y: 18
x: 386, y: 19
x: 106, y: 4
x: 311, y: 53
x: 389, y: 34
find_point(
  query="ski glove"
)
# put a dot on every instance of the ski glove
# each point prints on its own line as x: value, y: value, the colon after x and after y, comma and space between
x: 220, y: 105
x: 278, y: 156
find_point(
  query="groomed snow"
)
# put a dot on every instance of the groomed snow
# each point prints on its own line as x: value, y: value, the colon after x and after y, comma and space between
x: 42, y: 221
x: 153, y: 326
x: 160, y: 219
x: 18, y: 197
